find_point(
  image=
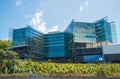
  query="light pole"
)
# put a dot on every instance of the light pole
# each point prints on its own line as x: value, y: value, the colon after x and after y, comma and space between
x: 6, y: 71
x: 104, y: 63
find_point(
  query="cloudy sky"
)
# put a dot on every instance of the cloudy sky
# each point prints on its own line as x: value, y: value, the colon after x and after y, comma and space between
x: 55, y: 15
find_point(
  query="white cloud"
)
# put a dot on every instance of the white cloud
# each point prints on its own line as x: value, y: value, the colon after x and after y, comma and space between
x: 53, y: 28
x: 39, y: 24
x: 18, y: 2
x: 87, y: 3
x: 81, y: 8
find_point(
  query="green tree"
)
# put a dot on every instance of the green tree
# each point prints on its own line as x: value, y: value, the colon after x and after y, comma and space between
x: 7, y: 55
x: 4, y: 44
x: 7, y: 60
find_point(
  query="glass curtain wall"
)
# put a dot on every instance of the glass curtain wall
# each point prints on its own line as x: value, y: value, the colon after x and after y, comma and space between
x: 69, y: 40
x: 113, y: 32
x: 54, y: 45
x: 103, y: 32
x: 29, y: 41
x: 84, y: 34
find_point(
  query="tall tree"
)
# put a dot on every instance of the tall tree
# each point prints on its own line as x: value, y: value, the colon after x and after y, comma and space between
x: 4, y: 44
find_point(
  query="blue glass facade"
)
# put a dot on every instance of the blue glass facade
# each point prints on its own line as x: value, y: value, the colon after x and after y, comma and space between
x: 113, y: 32
x: 54, y: 45
x: 90, y: 35
x: 69, y: 39
x: 19, y: 37
x: 28, y: 42
x: 103, y: 32
x: 84, y: 32
x: 80, y: 37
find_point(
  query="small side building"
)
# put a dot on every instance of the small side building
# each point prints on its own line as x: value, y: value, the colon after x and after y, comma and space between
x: 112, y: 53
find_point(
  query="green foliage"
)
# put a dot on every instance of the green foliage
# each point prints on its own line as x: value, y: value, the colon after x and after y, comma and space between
x: 7, y: 61
x: 48, y: 68
x: 9, y: 64
x: 8, y: 55
x: 4, y: 44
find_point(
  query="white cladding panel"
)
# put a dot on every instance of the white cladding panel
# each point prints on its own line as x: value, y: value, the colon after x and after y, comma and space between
x: 111, y: 49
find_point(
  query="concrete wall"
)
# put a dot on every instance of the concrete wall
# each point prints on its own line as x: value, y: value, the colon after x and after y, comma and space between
x: 112, y: 53
x: 111, y: 49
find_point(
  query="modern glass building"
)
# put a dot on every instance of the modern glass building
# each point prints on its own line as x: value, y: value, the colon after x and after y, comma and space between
x: 54, y: 44
x: 103, y: 32
x: 28, y: 42
x: 84, y: 40
x: 80, y: 42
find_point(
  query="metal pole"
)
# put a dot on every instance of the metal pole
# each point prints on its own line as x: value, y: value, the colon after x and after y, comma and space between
x: 104, y: 63
x: 6, y: 70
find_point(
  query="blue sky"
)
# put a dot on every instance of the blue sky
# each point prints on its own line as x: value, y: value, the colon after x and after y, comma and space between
x: 52, y: 15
